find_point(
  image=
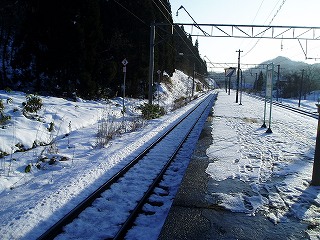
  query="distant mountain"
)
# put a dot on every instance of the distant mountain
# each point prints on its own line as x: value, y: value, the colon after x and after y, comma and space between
x: 289, y: 66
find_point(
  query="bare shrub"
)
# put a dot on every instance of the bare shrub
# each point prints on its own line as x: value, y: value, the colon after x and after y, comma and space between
x: 107, y: 128
x: 134, y: 122
x: 180, y: 102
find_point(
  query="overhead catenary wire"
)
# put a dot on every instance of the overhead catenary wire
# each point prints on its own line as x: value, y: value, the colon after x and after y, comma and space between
x: 276, y: 12
x: 255, y: 17
x: 283, y: 2
x: 282, y: 45
x: 165, y: 7
x: 195, y: 23
x: 137, y: 17
x: 174, y: 26
x: 130, y: 12
x: 257, y: 11
x: 148, y: 25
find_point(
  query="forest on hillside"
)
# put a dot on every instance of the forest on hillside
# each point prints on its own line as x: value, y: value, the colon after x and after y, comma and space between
x: 75, y: 47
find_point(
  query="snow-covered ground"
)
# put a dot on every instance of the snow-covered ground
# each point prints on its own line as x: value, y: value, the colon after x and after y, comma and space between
x: 276, y: 168
x: 308, y: 104
x: 75, y: 162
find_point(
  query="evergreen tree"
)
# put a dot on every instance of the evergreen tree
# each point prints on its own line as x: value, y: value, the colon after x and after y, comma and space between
x: 11, y: 13
x: 259, y: 83
x: 77, y: 46
x: 57, y: 45
x: 294, y: 83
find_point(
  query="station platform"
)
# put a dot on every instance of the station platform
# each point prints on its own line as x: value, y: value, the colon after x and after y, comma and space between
x: 194, y: 215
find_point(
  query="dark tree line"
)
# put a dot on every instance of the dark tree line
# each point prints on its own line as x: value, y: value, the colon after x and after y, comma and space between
x: 259, y: 83
x: 77, y: 46
x: 294, y: 84
x: 291, y: 85
x: 188, y: 57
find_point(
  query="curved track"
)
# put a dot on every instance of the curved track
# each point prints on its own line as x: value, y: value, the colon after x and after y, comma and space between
x: 154, y: 160
x: 294, y: 109
x: 297, y: 110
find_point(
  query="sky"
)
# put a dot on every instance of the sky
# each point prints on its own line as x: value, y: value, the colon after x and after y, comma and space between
x: 251, y: 12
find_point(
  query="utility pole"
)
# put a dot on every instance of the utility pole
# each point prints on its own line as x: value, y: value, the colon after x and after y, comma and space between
x: 151, y: 61
x: 256, y: 88
x: 225, y: 83
x: 278, y: 82
x: 300, y: 94
x: 238, y: 75
x: 316, y: 162
x: 194, y: 71
x: 124, y: 62
x: 241, y: 89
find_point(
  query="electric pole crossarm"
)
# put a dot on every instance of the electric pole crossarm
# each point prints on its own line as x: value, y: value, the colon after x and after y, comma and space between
x: 281, y: 34
x: 243, y: 31
x: 227, y: 35
x: 261, y: 33
x: 254, y: 31
x: 304, y: 33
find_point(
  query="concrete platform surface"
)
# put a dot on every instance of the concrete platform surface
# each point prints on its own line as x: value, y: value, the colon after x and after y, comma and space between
x: 194, y: 215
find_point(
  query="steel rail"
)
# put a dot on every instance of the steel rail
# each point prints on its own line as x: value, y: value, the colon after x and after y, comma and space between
x: 57, y: 228
x: 127, y: 225
x: 297, y: 110
x: 291, y: 108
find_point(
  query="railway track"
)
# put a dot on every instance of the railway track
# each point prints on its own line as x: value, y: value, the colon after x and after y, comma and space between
x: 113, y: 208
x: 294, y: 109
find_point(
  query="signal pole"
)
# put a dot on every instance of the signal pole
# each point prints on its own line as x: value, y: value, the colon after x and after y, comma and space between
x: 238, y: 75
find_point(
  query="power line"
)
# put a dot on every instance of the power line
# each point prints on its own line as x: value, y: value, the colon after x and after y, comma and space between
x: 196, y: 24
x: 140, y: 19
x: 174, y: 26
x: 165, y: 7
x: 170, y: 22
x: 277, y: 11
x: 283, y: 2
x: 255, y: 16
x: 257, y: 12
x: 130, y: 12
